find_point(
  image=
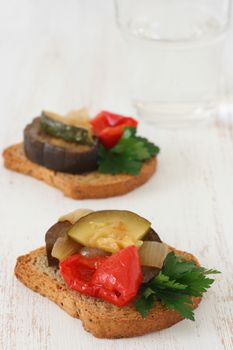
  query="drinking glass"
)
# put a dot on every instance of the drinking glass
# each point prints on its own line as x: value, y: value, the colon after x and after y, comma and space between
x: 175, y: 50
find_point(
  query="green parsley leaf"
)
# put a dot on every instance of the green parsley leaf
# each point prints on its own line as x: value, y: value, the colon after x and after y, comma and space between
x: 209, y: 272
x: 111, y: 163
x: 129, y: 131
x: 164, y: 282
x: 175, y: 285
x: 178, y: 302
x: 128, y: 155
x: 151, y: 147
x: 197, y: 283
x: 174, y: 266
x: 144, y: 305
x: 132, y: 149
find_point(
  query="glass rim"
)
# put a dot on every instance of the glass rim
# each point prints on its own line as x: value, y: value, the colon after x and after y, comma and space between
x: 224, y: 28
x: 197, y: 40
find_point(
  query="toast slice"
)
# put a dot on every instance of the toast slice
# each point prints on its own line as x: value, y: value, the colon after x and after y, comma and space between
x: 88, y: 185
x: 102, y: 319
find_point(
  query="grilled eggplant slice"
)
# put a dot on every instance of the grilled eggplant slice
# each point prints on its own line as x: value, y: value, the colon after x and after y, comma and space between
x: 152, y: 236
x: 58, y: 154
x: 59, y: 229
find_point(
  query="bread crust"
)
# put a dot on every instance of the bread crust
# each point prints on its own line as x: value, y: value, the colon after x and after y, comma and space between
x: 102, y: 319
x: 84, y: 186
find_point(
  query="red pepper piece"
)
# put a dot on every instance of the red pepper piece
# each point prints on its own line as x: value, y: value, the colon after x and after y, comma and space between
x: 106, y: 119
x: 119, y: 276
x: 109, y: 127
x: 78, y: 270
x: 110, y: 136
x: 115, y: 279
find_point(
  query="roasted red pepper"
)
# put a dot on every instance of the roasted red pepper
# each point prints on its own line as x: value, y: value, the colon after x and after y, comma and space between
x: 115, y: 278
x: 78, y: 270
x: 108, y: 127
x: 119, y: 276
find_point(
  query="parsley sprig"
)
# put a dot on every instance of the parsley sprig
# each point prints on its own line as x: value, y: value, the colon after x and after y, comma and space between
x: 128, y: 155
x: 178, y: 281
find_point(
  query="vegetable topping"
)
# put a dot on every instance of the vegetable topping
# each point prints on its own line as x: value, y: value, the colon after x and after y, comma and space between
x: 153, y: 253
x: 59, y: 129
x: 56, y: 231
x: 110, y: 230
x: 128, y: 155
x: 76, y: 144
x: 140, y: 264
x: 115, y: 279
x: 75, y: 215
x: 109, y: 127
x: 56, y: 153
x: 176, y: 284
x: 79, y: 118
x: 64, y: 247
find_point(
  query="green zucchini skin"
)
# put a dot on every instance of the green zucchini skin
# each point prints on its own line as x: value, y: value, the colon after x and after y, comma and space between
x: 66, y: 132
x: 67, y: 157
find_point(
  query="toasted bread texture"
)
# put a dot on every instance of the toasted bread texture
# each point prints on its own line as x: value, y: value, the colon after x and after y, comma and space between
x: 102, y: 319
x: 88, y: 185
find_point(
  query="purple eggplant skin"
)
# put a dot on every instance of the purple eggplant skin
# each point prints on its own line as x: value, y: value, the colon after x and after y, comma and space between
x: 56, y: 154
x: 59, y: 229
x: 152, y: 236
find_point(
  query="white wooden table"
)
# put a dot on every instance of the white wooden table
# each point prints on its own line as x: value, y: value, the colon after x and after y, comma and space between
x: 61, y: 55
